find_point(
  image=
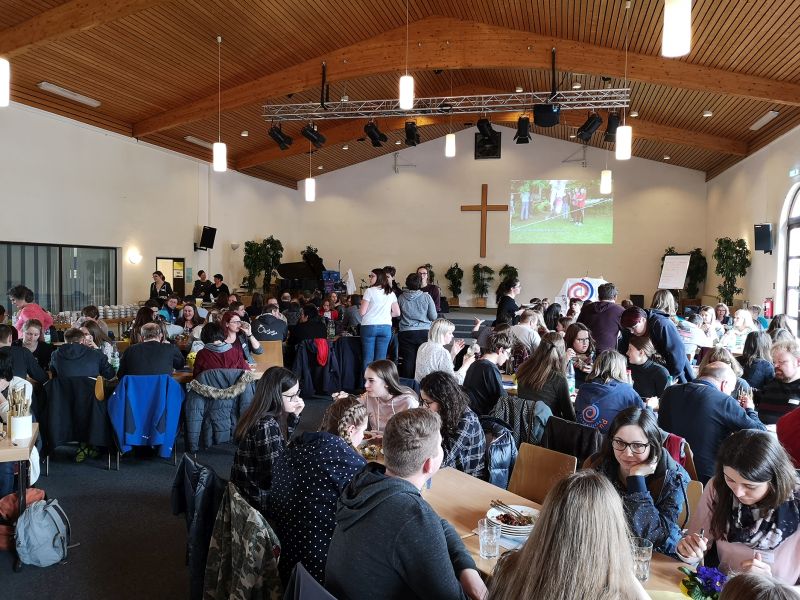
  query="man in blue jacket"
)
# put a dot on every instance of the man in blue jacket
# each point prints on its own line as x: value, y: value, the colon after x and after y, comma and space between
x: 704, y: 414
x: 657, y: 325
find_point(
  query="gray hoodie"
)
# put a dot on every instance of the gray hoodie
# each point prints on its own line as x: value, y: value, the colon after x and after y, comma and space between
x: 417, y: 310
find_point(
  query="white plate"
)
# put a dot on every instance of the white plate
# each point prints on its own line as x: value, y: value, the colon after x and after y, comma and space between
x: 514, y: 529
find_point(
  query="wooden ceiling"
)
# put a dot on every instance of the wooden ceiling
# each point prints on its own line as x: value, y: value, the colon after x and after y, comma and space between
x: 153, y: 66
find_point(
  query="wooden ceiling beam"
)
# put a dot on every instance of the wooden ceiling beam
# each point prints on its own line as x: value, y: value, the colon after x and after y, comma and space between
x: 65, y: 20
x: 446, y: 43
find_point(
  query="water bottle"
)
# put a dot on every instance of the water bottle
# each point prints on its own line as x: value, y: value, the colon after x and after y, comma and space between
x: 46, y: 336
x: 570, y: 377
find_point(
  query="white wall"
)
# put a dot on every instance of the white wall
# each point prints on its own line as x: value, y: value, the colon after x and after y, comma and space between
x: 755, y: 191
x: 95, y: 188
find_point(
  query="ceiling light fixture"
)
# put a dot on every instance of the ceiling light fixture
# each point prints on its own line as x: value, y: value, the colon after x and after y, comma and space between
x: 220, y: 150
x: 523, y: 134
x: 345, y: 147
x: 708, y: 113
x: 450, y: 138
x: 485, y: 127
x: 412, y: 134
x: 606, y: 182
x: 769, y: 116
x: 406, y: 81
x: 280, y: 138
x: 518, y: 89
x: 572, y: 136
x: 198, y: 142
x: 676, y: 38
x: 63, y: 92
x: 666, y: 157
x: 591, y: 125
x: 610, y: 134
x: 5, y: 82
x: 312, y: 135
x: 622, y: 146
x: 245, y: 133
x: 397, y: 142
x: 633, y: 114
x: 310, y: 183
x: 577, y: 85
x: 375, y: 135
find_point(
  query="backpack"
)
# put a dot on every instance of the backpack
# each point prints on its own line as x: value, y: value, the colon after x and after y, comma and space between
x: 42, y: 533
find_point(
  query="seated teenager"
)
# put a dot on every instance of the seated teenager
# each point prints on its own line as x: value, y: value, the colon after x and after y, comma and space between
x: 151, y: 356
x: 580, y: 548
x: 580, y: 349
x: 780, y: 396
x: 388, y: 542
x: 95, y: 338
x: 712, y: 328
x: 542, y: 377
x: 756, y: 360
x: 433, y: 356
x: 651, y: 484
x: 325, y: 462
x: 270, y: 325
x: 25, y: 364
x: 526, y: 330
x: 752, y: 586
x: 463, y: 439
x: 483, y: 381
x: 33, y: 340
x: 76, y: 358
x: 742, y: 325
x: 659, y: 327
x: 239, y: 334
x: 309, y: 327
x: 606, y: 392
x: 189, y: 318
x: 384, y: 396
x: 91, y: 313
x: 750, y: 510
x: 216, y: 352
x: 169, y: 310
x: 650, y: 379
x: 262, y: 433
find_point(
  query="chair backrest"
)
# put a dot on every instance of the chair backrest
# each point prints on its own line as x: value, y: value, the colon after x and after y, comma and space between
x: 302, y: 586
x: 580, y: 441
x: 694, y: 491
x: 272, y: 355
x: 537, y: 470
x: 689, y: 462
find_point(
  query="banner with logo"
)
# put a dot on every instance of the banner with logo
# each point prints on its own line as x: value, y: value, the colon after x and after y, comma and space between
x: 583, y: 288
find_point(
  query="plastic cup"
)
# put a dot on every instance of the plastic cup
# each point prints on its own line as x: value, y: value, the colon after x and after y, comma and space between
x: 642, y: 553
x: 489, y: 538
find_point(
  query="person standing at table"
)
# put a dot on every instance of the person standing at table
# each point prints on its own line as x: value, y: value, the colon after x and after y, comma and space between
x: 202, y: 287
x: 378, y: 306
x: 160, y: 288
x: 388, y: 542
x: 417, y: 313
x: 508, y: 311
x: 602, y: 317
x: 429, y: 287
x: 22, y: 298
x: 219, y: 288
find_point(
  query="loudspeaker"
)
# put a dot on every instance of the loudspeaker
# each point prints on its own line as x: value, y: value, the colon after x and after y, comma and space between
x: 763, y: 235
x: 487, y: 147
x: 206, y: 239
x: 546, y: 115
x: 638, y: 300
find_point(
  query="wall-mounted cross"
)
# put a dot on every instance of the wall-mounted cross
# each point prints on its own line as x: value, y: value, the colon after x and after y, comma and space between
x: 483, y: 208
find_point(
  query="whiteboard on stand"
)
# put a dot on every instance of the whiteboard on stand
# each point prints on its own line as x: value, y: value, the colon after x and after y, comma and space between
x: 673, y: 274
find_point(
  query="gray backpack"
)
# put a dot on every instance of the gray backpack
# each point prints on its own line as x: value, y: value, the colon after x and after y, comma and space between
x: 42, y: 534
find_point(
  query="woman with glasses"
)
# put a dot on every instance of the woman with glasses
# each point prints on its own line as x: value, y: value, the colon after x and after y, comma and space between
x: 263, y: 432
x: 378, y: 306
x: 651, y: 484
x: 239, y: 334
x: 216, y: 353
x: 580, y: 349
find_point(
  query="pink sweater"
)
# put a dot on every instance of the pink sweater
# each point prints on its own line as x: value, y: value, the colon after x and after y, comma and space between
x: 785, y: 558
x: 380, y: 411
x: 33, y: 311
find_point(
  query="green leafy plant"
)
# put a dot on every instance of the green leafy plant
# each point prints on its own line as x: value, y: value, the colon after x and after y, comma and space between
x: 695, y: 274
x: 455, y: 275
x: 482, y: 277
x: 733, y: 260
x: 272, y: 253
x: 508, y: 272
x: 252, y: 263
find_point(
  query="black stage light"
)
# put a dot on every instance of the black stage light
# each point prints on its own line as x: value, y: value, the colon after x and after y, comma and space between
x: 485, y: 127
x: 374, y: 134
x: 546, y: 115
x: 611, y: 128
x: 312, y: 135
x: 591, y: 125
x: 280, y: 138
x: 523, y: 135
x: 412, y: 134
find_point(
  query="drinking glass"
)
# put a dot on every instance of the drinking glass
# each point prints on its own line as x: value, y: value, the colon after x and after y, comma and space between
x: 489, y: 537
x: 642, y: 553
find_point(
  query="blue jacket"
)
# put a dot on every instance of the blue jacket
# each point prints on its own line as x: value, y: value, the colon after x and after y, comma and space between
x: 668, y: 343
x: 145, y: 411
x: 759, y: 373
x: 598, y: 403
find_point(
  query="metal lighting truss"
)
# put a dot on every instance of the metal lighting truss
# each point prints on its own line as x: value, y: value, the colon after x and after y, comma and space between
x: 491, y: 103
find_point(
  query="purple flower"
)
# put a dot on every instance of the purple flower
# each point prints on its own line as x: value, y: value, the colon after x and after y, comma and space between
x: 711, y: 580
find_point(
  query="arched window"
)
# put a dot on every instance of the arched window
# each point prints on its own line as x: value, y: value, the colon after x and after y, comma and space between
x: 792, y: 296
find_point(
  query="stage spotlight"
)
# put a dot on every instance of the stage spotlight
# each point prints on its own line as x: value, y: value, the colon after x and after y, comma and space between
x: 591, y: 125
x: 374, y: 134
x: 523, y: 135
x: 611, y: 128
x: 312, y: 135
x: 485, y: 127
x: 280, y: 138
x: 546, y: 115
x: 412, y: 135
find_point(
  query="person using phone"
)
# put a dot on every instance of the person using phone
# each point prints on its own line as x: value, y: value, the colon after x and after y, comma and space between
x: 651, y: 484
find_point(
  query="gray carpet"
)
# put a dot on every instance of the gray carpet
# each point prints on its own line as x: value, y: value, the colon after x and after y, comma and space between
x: 131, y: 546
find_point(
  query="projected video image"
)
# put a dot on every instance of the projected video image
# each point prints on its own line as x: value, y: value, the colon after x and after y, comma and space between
x: 560, y: 211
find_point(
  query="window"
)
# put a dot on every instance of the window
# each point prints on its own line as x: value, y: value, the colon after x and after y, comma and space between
x: 63, y: 278
x: 792, y: 298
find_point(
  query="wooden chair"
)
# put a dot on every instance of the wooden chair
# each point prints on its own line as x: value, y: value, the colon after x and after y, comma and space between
x: 537, y: 470
x: 271, y: 357
x: 694, y: 491
x: 689, y: 466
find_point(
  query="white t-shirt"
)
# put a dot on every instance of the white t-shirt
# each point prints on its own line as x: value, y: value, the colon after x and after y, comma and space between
x: 379, y: 311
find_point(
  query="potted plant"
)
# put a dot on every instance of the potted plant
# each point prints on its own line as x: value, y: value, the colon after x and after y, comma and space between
x: 695, y: 274
x: 508, y: 272
x: 733, y: 260
x: 482, y: 276
x: 455, y: 276
x: 272, y: 252
x: 252, y: 263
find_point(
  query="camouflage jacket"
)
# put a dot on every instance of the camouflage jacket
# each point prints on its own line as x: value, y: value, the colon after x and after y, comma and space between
x: 243, y: 554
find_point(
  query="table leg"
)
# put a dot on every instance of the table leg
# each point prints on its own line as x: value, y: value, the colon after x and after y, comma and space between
x: 23, y: 493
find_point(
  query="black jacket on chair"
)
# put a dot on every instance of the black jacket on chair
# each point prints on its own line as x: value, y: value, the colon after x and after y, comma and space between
x: 568, y: 437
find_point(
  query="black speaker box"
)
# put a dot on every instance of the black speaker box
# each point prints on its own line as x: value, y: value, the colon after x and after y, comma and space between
x: 638, y: 300
x: 546, y: 115
x: 207, y: 238
x: 487, y: 147
x: 763, y: 236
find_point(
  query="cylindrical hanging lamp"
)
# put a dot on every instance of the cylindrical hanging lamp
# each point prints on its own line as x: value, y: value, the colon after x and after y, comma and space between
x: 605, y: 181
x: 624, y: 141
x: 450, y: 145
x: 676, y: 38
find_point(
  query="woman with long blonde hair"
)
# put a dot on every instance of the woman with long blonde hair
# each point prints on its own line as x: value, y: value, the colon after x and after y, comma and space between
x: 579, y: 548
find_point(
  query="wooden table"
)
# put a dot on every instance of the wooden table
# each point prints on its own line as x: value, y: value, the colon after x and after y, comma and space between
x: 20, y: 454
x: 511, y: 390
x: 462, y: 500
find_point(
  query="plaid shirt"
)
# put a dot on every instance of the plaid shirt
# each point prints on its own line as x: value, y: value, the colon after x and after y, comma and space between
x: 252, y: 465
x: 467, y: 451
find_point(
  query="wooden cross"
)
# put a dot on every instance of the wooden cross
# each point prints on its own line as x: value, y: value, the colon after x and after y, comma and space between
x: 483, y: 207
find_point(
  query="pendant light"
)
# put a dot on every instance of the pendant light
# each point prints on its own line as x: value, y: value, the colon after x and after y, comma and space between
x: 310, y: 183
x: 5, y: 82
x: 406, y: 81
x: 450, y: 138
x: 220, y: 150
x: 676, y: 39
x: 624, y: 141
x: 605, y: 178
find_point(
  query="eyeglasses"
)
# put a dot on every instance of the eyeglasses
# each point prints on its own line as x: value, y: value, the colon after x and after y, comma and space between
x: 235, y: 322
x: 293, y: 397
x: 636, y: 447
x: 586, y: 339
x: 422, y: 272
